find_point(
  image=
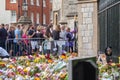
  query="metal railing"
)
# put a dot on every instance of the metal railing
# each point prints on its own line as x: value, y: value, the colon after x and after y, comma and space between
x: 23, y: 46
x: 55, y: 47
x: 26, y: 46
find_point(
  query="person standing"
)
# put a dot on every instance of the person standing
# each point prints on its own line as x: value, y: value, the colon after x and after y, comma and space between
x: 11, y: 37
x: 7, y: 27
x: 108, y: 53
x: 33, y: 39
x: 63, y: 38
x: 3, y: 36
x: 17, y: 38
x: 70, y: 39
x: 63, y: 33
x: 56, y: 33
x: 40, y: 37
x: 56, y: 37
x: 48, y: 32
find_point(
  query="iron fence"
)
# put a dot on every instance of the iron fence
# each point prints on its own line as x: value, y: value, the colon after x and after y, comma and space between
x: 26, y: 46
x: 23, y: 46
x: 56, y: 47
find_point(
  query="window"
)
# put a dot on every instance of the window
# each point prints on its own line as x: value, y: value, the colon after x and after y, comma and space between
x: 44, y: 3
x: 25, y: 1
x: 32, y: 17
x: 13, y: 13
x: 51, y: 15
x: 32, y: 2
x: 44, y: 19
x: 12, y: 1
x: 25, y: 5
x: 37, y: 2
x: 13, y: 16
x: 37, y: 18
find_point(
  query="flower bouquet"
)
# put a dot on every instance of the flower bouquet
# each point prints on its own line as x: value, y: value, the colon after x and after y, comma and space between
x: 35, y: 67
x: 110, y: 71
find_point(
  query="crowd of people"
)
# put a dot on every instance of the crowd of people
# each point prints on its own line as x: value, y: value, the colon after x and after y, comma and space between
x: 13, y: 38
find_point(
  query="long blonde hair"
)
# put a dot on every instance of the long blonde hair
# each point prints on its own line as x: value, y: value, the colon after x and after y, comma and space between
x: 57, y: 28
x: 39, y: 28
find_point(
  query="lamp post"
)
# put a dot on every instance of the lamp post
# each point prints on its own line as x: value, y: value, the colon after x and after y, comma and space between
x: 18, y: 9
x: 75, y: 33
x: 24, y: 19
x: 25, y: 9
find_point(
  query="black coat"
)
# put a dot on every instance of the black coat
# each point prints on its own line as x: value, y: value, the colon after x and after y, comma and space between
x: 3, y: 34
x: 56, y: 35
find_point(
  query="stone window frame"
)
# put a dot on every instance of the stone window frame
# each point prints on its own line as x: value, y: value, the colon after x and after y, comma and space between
x: 32, y: 16
x: 38, y: 18
x: 32, y: 2
x: 13, y: 16
x: 44, y: 18
x: 44, y: 3
x: 13, y: 1
x: 37, y: 2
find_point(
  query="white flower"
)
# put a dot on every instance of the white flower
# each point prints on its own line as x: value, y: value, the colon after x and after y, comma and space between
x: 106, y: 76
x: 19, y: 67
x: 19, y: 78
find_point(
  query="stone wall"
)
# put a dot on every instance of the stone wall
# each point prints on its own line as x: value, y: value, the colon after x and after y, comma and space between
x: 87, y: 29
x: 5, y: 16
x: 64, y: 8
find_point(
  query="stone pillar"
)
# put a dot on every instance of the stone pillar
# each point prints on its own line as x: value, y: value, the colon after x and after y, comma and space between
x: 87, y: 28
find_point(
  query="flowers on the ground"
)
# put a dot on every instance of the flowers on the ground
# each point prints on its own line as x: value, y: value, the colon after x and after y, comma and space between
x: 110, y: 71
x: 35, y: 67
x: 47, y: 67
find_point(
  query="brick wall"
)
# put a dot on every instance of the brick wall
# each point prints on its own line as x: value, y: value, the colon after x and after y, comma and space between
x: 31, y: 9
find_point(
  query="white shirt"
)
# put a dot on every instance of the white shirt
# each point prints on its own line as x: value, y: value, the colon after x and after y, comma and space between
x: 63, y: 34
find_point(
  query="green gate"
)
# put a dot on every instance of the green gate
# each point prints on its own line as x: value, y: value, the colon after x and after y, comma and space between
x: 109, y: 25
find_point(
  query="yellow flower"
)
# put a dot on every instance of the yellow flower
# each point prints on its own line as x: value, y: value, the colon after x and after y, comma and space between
x: 28, y: 63
x: 22, y: 57
x: 25, y: 70
x: 37, y: 78
x: 42, y: 56
x: 26, y: 76
x: 37, y: 60
x: 50, y: 60
x: 2, y: 63
x: 10, y: 66
x: 63, y: 75
x: 119, y: 59
x: 113, y: 64
x: 63, y: 56
x: 74, y: 54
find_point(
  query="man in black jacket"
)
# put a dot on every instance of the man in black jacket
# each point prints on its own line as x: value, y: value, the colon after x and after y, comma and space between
x: 3, y: 36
